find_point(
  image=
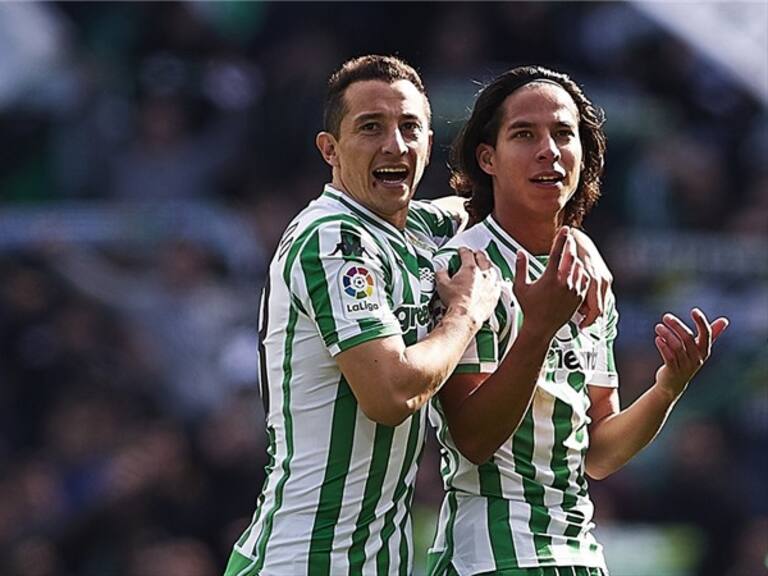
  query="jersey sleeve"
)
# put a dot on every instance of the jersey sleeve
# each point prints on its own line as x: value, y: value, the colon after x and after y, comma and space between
x: 435, y: 222
x: 339, y: 277
x: 605, y: 373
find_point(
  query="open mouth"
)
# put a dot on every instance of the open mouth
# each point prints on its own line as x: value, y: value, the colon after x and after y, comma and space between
x: 391, y: 175
x: 548, y: 179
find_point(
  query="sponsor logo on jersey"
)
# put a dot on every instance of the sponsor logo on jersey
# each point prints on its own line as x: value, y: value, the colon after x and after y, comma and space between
x: 572, y: 359
x: 413, y: 315
x: 566, y: 351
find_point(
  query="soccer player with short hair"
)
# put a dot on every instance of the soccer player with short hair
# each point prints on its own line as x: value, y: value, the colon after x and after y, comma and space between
x: 533, y: 406
x: 346, y: 360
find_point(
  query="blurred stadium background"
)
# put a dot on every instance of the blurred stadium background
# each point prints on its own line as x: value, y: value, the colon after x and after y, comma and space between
x: 151, y: 155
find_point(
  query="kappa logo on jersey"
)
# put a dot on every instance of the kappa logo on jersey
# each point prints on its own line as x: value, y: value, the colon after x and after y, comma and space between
x: 350, y: 246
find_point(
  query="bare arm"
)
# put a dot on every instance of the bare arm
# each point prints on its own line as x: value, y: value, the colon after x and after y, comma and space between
x: 484, y: 410
x: 617, y: 435
x: 391, y: 380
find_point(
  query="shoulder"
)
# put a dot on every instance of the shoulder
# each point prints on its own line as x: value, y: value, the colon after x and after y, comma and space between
x: 433, y: 219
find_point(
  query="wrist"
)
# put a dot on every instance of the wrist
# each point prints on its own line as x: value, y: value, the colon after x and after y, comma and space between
x: 666, y: 394
x: 463, y: 313
x: 535, y: 332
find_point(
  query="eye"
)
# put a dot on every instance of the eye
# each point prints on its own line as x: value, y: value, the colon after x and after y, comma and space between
x: 522, y: 134
x: 369, y: 127
x: 565, y: 133
x: 411, y: 127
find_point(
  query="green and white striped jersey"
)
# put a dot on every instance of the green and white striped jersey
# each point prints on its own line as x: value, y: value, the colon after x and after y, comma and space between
x: 336, y: 499
x: 528, y: 505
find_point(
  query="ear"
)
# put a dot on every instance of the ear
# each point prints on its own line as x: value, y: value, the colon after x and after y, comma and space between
x: 485, y: 155
x: 326, y: 143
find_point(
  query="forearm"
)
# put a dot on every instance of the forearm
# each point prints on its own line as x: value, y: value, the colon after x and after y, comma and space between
x: 428, y: 363
x: 488, y: 416
x: 615, y: 439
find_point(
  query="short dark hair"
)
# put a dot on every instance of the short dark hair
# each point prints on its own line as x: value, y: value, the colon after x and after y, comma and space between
x: 371, y: 67
x: 469, y: 180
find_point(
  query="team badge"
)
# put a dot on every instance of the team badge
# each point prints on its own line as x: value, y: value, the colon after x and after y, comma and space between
x: 358, y: 283
x: 359, y: 292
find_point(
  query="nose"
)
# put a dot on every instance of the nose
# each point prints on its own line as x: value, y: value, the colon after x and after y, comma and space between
x: 548, y: 150
x: 395, y: 143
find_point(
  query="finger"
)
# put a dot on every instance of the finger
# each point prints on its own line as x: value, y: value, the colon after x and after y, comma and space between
x: 584, y: 282
x: 442, y: 277
x: 704, y: 332
x: 683, y: 332
x: 666, y: 352
x: 492, y: 275
x: 567, y: 258
x: 574, y: 275
x: 521, y: 271
x: 558, y: 244
x: 467, y: 257
x: 592, y: 307
x: 671, y: 338
x: 718, y: 327
x: 482, y: 260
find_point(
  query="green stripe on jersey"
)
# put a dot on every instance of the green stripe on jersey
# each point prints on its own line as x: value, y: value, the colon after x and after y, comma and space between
x: 314, y: 273
x: 522, y: 448
x: 561, y: 417
x: 261, y: 543
x: 498, y: 515
x: 382, y: 445
x: 414, y: 433
x: 332, y: 491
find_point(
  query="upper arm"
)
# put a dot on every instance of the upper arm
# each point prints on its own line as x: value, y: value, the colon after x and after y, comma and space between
x: 604, y: 402
x: 367, y: 368
x: 337, y: 277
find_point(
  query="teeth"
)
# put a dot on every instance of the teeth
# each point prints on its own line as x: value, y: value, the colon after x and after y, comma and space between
x: 391, y: 170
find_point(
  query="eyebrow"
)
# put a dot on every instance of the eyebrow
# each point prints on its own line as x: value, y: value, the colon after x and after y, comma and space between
x: 527, y: 124
x: 366, y: 116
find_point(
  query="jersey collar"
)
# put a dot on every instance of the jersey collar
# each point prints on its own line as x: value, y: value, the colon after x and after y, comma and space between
x: 367, y: 215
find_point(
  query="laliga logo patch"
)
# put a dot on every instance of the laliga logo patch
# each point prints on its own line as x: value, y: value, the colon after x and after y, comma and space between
x: 358, y: 283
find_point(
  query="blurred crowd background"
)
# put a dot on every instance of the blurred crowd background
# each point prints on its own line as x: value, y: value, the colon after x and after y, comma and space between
x: 150, y: 156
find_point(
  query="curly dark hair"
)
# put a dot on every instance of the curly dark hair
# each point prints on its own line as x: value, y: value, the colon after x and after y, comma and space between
x: 469, y: 180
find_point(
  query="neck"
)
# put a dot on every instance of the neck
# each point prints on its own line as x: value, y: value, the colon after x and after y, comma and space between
x: 397, y: 219
x: 534, y: 235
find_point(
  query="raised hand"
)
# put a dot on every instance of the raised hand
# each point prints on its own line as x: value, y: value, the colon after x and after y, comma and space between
x: 552, y: 300
x: 599, y: 275
x: 683, y: 353
x: 475, y: 287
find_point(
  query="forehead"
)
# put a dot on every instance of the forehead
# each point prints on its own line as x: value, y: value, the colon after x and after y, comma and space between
x: 540, y: 101
x: 377, y: 97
